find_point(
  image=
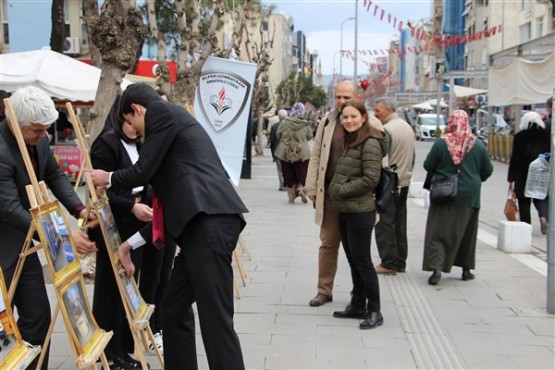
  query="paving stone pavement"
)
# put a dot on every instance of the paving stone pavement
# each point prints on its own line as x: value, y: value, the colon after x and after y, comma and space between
x: 497, y: 321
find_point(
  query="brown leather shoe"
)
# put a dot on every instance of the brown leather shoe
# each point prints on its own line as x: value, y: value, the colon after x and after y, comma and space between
x: 320, y: 299
x: 384, y: 271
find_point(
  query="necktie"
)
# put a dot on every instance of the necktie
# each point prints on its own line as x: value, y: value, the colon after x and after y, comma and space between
x: 158, y: 233
x: 34, y: 160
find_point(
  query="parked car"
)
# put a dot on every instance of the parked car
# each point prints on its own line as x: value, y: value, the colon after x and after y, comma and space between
x: 426, y: 125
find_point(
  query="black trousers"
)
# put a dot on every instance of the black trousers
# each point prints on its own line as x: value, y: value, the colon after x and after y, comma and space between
x: 202, y: 273
x: 356, y: 236
x: 33, y: 307
x: 155, y: 274
x: 542, y: 206
x: 391, y: 233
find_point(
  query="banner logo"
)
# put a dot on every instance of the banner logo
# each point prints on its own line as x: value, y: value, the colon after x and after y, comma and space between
x: 222, y: 97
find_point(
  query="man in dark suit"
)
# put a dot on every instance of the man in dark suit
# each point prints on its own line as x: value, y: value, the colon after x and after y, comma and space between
x: 202, y: 212
x: 35, y: 112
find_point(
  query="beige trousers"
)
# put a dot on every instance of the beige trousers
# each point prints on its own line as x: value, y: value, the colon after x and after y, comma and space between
x: 327, y: 254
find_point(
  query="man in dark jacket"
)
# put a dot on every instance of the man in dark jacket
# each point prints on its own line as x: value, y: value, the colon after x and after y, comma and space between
x: 202, y: 212
x: 35, y: 112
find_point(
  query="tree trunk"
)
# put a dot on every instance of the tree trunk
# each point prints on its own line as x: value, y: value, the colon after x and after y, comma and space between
x: 57, y: 35
x: 118, y: 33
x: 163, y: 72
x: 90, y: 14
x: 259, y: 147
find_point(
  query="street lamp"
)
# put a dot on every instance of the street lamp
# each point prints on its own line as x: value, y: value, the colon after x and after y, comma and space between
x: 341, y: 46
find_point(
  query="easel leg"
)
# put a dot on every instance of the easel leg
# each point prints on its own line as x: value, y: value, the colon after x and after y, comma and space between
x: 240, y: 266
x: 236, y: 288
x: 244, y: 248
x: 49, y: 335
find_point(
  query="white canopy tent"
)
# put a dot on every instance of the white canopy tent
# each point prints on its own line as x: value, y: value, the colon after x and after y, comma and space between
x: 463, y: 91
x: 521, y: 82
x: 60, y: 76
x: 430, y: 104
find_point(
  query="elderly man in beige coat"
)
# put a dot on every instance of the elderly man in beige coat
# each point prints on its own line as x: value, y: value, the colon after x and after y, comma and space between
x: 326, y: 150
x: 391, y: 231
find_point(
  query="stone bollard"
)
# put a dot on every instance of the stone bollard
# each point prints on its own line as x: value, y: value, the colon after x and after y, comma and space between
x: 514, y: 237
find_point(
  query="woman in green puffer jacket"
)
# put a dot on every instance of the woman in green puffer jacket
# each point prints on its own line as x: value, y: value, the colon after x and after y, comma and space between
x: 352, y: 193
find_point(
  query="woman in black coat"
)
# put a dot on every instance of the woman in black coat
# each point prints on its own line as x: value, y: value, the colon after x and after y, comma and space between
x: 531, y: 141
x: 117, y: 148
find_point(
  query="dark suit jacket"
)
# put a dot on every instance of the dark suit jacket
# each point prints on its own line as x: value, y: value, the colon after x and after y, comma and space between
x: 181, y: 163
x: 15, y: 218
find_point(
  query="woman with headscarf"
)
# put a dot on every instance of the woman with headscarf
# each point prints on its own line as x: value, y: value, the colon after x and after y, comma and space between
x: 293, y: 151
x: 452, y: 227
x: 531, y: 141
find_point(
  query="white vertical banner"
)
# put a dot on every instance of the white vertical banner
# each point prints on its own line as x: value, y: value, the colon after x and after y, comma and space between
x: 222, y: 104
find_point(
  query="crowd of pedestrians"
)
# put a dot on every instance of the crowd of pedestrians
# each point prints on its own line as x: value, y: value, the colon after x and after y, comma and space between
x: 161, y: 192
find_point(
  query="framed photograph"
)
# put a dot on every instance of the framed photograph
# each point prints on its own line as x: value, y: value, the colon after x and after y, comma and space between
x: 140, y: 310
x: 54, y: 235
x: 77, y: 312
x: 14, y: 353
x: 108, y: 224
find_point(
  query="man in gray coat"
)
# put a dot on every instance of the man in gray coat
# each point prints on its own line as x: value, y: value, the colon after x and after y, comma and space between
x: 391, y: 231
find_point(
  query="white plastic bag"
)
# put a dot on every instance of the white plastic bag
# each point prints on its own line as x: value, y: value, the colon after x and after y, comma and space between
x: 537, y: 182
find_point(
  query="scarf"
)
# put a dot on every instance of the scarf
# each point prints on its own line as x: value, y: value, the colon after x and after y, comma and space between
x: 458, y: 136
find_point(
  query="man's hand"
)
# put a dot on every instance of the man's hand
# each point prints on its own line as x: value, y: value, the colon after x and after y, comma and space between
x: 142, y: 212
x: 312, y: 198
x: 99, y: 177
x: 124, y: 253
x: 82, y: 242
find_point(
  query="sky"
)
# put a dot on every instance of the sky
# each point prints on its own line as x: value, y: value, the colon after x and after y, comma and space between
x: 321, y: 23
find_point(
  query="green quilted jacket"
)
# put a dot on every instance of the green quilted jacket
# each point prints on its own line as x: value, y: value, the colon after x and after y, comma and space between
x: 357, y: 175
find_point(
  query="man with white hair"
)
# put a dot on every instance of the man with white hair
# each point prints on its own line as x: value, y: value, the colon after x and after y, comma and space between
x: 35, y: 113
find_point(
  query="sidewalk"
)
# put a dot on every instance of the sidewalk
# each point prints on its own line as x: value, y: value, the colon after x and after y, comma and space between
x: 497, y: 320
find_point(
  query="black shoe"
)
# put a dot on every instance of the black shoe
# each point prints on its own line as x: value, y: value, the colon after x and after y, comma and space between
x: 467, y: 275
x: 351, y: 312
x: 435, y: 278
x: 372, y: 320
x: 128, y: 362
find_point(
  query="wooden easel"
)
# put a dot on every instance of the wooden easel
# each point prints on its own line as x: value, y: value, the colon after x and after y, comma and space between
x: 242, y: 272
x: 85, y: 356
x: 138, y: 319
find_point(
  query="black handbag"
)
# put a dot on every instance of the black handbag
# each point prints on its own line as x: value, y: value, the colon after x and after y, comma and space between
x: 444, y: 190
x: 386, y: 191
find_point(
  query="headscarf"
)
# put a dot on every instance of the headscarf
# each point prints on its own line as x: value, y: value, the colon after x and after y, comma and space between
x: 298, y: 110
x: 459, y: 137
x: 530, y: 120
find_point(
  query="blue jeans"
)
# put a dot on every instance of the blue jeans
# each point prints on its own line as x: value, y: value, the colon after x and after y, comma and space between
x: 356, y: 234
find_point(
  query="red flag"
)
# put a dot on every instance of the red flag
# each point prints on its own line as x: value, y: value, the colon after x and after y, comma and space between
x: 389, y: 18
x: 400, y: 25
x: 394, y: 22
x: 381, y: 16
x: 375, y: 10
x: 369, y: 5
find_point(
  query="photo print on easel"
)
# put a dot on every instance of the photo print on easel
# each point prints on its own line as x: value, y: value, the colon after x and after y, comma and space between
x: 52, y: 225
x: 75, y: 305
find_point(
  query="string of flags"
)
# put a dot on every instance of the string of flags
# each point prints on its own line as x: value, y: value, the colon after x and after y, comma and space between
x: 421, y: 34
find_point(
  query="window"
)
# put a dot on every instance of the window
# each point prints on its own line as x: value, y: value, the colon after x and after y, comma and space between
x: 524, y: 32
x: 525, y: 5
x: 539, y: 27
x: 264, y: 26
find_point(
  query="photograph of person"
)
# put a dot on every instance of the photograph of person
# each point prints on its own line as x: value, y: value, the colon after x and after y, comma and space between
x: 57, y: 238
x: 109, y: 225
x: 131, y: 291
x: 79, y: 316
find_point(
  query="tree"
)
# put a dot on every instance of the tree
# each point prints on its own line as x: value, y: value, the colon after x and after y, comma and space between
x: 300, y: 89
x: 118, y: 32
x: 57, y: 35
